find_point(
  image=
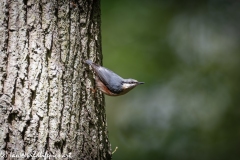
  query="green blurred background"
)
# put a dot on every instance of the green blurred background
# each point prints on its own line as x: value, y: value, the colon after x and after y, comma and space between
x: 187, y: 53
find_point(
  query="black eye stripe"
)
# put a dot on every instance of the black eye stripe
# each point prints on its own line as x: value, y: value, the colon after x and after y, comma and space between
x: 131, y: 82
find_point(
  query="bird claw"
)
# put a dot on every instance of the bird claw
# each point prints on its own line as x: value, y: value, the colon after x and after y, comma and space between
x: 92, y: 90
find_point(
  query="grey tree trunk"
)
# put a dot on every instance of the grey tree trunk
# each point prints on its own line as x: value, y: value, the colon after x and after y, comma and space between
x: 46, y: 104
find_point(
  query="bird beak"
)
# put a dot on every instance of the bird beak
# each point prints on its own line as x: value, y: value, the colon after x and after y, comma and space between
x: 140, y: 82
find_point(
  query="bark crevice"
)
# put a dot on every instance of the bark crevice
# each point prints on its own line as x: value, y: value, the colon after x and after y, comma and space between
x: 51, y: 108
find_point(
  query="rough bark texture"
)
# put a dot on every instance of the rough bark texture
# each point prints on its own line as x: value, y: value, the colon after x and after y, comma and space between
x: 46, y: 103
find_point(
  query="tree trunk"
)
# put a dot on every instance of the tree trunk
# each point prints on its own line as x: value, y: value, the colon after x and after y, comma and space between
x: 46, y: 105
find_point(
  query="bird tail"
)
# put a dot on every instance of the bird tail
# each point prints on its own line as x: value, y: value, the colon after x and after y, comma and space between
x: 89, y: 62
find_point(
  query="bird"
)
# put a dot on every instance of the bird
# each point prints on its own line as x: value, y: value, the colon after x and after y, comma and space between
x: 110, y: 83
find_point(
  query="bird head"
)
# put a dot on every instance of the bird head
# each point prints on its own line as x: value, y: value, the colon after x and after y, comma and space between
x: 130, y: 83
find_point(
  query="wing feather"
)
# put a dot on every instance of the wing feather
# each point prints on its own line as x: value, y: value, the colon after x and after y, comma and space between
x: 109, y: 78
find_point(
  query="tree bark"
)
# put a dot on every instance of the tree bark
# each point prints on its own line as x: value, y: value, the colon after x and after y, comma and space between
x: 46, y: 105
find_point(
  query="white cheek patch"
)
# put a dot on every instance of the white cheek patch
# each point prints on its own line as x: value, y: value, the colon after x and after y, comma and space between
x: 126, y: 85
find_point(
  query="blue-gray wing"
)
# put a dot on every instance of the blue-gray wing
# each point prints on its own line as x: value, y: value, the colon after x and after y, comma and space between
x: 109, y: 78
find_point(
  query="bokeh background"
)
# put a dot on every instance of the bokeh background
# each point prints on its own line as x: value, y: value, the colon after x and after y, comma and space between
x: 187, y: 53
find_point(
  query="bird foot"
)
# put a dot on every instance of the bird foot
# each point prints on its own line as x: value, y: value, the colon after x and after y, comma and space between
x: 93, y: 91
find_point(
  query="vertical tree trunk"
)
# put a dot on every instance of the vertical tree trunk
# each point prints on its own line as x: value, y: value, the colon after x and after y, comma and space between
x: 46, y: 105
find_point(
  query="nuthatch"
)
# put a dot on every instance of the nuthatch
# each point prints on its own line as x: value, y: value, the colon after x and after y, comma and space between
x: 110, y: 83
